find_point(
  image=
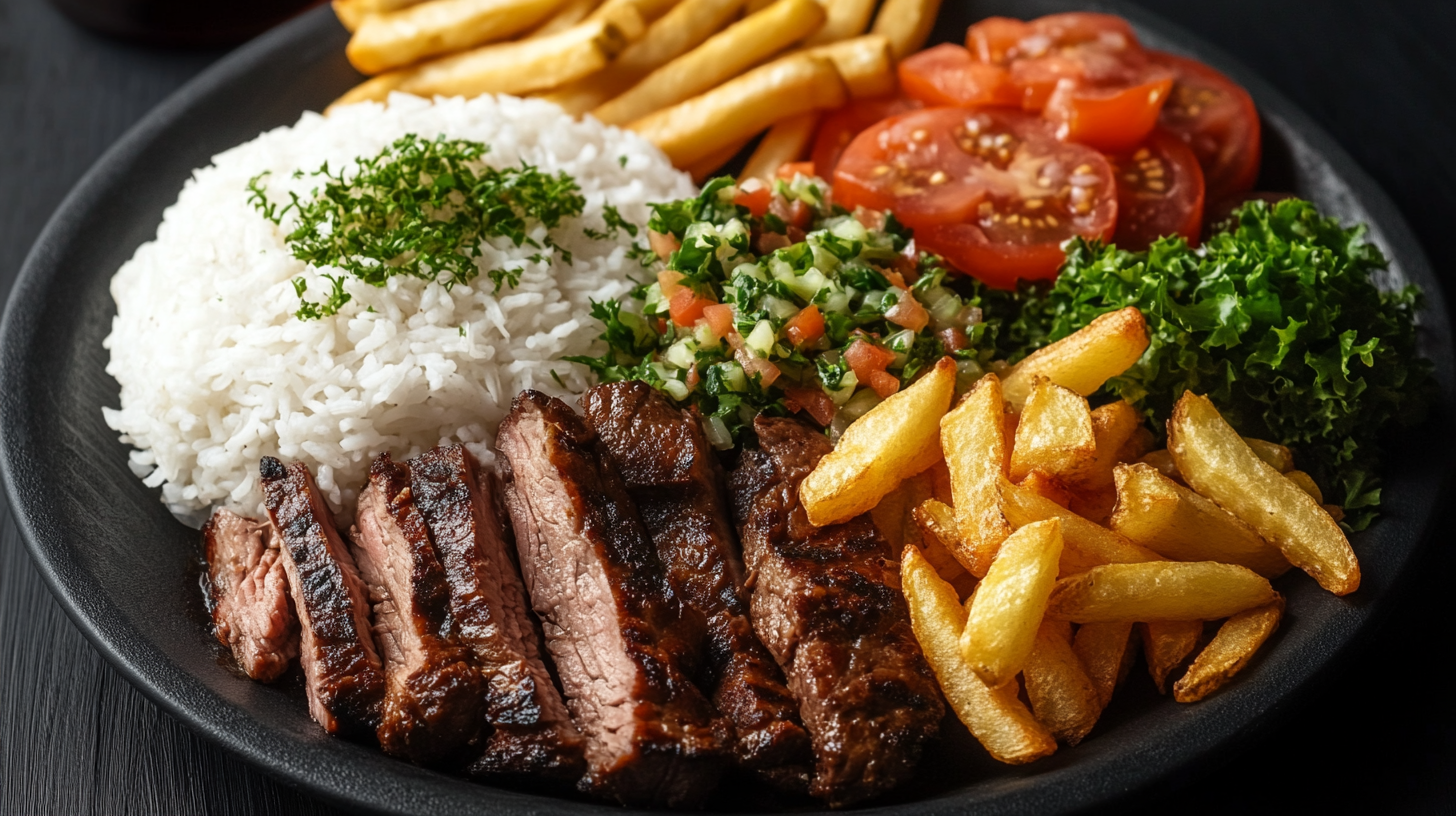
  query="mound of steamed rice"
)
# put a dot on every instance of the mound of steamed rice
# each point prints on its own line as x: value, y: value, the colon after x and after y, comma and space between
x: 215, y: 371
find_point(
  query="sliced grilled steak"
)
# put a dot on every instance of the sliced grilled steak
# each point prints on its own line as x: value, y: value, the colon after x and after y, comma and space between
x: 433, y: 692
x: 340, y: 667
x: 611, y: 625
x: 533, y: 733
x: 827, y: 604
x: 251, y: 612
x: 674, y: 478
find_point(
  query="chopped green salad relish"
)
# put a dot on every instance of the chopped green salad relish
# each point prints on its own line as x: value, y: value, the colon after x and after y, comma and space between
x: 772, y: 300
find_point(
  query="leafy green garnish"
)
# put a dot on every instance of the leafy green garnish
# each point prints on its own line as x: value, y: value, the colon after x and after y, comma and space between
x: 420, y: 208
x: 1277, y: 320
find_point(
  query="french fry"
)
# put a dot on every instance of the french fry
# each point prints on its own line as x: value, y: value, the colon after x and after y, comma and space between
x: 1083, y: 360
x: 720, y: 58
x: 865, y: 63
x: 755, y: 6
x: 1007, y: 609
x: 995, y: 716
x: 1101, y: 648
x: 508, y: 68
x: 846, y: 18
x: 1088, y: 545
x: 1113, y: 426
x: 1063, y: 697
x: 893, y: 441
x: 906, y: 23
x: 1158, y: 591
x: 680, y: 30
x: 1054, y: 434
x: 708, y: 166
x: 974, y: 439
x: 1166, y: 644
x: 1048, y: 487
x: 787, y: 141
x: 1276, y: 455
x: 1173, y: 521
x: 568, y: 15
x: 646, y: 11
x: 1137, y: 446
x: 1306, y: 483
x: 1217, y: 463
x: 938, y: 526
x: 741, y: 107
x: 352, y: 12
x: 934, y: 533
x: 1229, y: 651
x: 407, y: 36
x: 1162, y: 462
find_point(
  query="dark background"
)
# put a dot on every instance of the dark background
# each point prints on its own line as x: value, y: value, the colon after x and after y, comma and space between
x: 1377, y: 735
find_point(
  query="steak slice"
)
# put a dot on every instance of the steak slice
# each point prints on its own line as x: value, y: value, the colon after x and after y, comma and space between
x: 248, y: 594
x: 433, y: 692
x: 674, y: 478
x: 533, y: 733
x: 827, y: 603
x: 340, y: 667
x: 611, y: 625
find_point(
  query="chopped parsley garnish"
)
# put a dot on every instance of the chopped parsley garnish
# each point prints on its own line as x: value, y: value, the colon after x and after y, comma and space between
x: 420, y: 208
x: 1277, y: 320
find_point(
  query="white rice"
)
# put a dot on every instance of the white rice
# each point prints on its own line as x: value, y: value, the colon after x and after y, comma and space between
x: 215, y: 371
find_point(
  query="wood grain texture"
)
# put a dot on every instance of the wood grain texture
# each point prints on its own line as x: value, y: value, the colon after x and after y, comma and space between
x: 76, y: 738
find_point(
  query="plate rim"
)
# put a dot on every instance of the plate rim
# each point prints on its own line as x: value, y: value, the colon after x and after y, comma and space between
x: 34, y: 278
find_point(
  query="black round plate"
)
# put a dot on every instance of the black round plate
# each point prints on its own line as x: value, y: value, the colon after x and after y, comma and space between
x: 127, y: 572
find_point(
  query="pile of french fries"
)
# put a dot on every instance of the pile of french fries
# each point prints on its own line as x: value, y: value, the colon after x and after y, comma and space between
x: 1043, y: 541
x: 698, y: 78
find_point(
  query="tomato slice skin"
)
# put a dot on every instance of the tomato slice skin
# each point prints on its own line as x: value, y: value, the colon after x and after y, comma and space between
x: 1159, y: 192
x: 840, y: 127
x: 1109, y: 119
x: 1085, y: 47
x: 755, y: 195
x: 1217, y: 119
x: 950, y: 75
x: 990, y: 189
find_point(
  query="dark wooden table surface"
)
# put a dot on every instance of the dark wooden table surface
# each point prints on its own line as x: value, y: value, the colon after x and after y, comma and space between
x: 1378, y: 735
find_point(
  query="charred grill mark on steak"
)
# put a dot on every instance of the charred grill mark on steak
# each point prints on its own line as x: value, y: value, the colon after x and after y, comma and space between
x: 674, y: 478
x: 827, y: 604
x: 433, y: 692
x: 343, y: 678
x: 610, y: 623
x: 533, y: 732
x: 251, y: 610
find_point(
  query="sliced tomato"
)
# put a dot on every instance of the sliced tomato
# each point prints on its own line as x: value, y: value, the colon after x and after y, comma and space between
x: 840, y: 127
x: 884, y: 383
x: 754, y: 195
x: 1087, y: 48
x: 991, y: 190
x: 1159, y: 192
x: 686, y: 306
x: 1111, y: 119
x: 806, y: 327
x: 949, y: 75
x: 865, y: 359
x: 719, y: 318
x: 1217, y: 119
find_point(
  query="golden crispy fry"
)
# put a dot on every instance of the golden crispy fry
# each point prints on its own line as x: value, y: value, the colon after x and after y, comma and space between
x: 894, y: 516
x: 1083, y: 360
x: 1158, y: 591
x: 1162, y: 462
x: 1063, y: 697
x: 568, y: 15
x: 1336, y: 512
x: 645, y: 10
x: 895, y: 440
x: 1177, y: 523
x: 1167, y: 644
x: 1114, y: 425
x: 975, y: 443
x: 865, y: 63
x: 683, y: 28
x: 1054, y: 434
x: 1137, y: 446
x: 1229, y: 651
x: 1048, y: 487
x: 720, y: 58
x: 509, y: 68
x: 846, y: 18
x: 1218, y: 464
x: 995, y: 716
x: 940, y: 533
x: 1088, y: 545
x: 404, y: 37
x: 1306, y: 483
x: 351, y: 13
x: 906, y: 23
x: 708, y: 166
x: 742, y: 107
x: 787, y: 141
x: 940, y: 480
x: 1101, y: 647
x: 1007, y: 608
x: 1275, y: 454
x: 755, y: 6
